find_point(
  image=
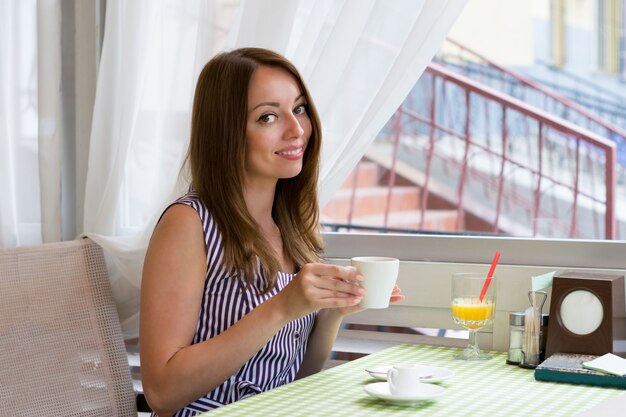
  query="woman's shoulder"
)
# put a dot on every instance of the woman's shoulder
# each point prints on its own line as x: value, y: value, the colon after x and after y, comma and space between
x: 193, y: 200
x: 191, y: 211
x: 180, y: 218
x: 187, y: 211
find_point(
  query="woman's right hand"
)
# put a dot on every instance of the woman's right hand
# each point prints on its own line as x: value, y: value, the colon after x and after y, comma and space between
x: 317, y: 286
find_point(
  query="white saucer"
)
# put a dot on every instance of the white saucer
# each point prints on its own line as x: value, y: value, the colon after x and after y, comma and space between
x: 426, y: 392
x: 431, y: 373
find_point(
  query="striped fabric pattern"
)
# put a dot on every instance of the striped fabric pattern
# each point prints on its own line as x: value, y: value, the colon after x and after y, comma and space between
x: 223, y: 303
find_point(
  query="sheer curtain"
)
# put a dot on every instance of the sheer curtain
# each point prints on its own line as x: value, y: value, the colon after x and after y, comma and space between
x: 37, y: 139
x: 151, y: 55
x: 20, y: 217
x: 359, y: 57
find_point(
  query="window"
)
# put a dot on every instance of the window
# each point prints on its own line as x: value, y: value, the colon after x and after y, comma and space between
x: 497, y: 144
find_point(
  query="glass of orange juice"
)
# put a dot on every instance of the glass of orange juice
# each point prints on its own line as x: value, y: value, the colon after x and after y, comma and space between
x: 470, y: 311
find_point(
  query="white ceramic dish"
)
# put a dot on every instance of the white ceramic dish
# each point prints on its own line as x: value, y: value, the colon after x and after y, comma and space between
x: 426, y: 392
x: 431, y: 374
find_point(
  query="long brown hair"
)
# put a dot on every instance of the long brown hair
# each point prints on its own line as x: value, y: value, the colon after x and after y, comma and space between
x: 217, y: 158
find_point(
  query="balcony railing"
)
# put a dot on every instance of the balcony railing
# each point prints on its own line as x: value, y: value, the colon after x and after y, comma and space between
x: 513, y: 167
x: 598, y: 115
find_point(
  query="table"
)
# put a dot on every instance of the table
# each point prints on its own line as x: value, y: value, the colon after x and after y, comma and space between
x: 483, y: 388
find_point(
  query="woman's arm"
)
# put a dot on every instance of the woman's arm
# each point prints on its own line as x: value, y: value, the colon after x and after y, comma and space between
x: 175, y: 372
x: 320, y: 342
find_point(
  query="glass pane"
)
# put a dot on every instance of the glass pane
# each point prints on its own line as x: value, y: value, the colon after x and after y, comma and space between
x: 492, y: 141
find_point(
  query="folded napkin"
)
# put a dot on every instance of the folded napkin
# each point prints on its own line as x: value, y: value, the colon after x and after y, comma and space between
x: 609, y: 363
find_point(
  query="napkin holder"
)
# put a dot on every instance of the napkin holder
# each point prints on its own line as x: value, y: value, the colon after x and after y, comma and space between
x: 587, y: 314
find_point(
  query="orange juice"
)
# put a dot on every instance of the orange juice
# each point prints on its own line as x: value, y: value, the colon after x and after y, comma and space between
x: 471, y: 313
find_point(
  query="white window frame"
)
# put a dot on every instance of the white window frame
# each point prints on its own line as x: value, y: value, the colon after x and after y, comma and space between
x: 572, y: 253
x: 427, y: 262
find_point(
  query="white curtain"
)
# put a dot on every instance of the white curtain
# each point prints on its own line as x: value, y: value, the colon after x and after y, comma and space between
x: 152, y: 53
x: 34, y: 145
x: 20, y: 217
x: 359, y: 57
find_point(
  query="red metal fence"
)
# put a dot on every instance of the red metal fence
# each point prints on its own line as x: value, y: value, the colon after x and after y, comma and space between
x: 480, y: 68
x: 517, y: 168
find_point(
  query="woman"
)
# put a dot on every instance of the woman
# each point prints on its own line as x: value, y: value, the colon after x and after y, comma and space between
x: 233, y: 299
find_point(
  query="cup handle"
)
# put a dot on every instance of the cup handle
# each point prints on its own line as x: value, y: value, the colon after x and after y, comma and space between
x: 390, y: 378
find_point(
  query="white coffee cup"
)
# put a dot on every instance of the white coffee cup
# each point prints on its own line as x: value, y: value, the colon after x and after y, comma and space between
x: 404, y: 380
x: 380, y: 275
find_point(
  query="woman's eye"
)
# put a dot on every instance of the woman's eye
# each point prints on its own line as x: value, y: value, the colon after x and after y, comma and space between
x: 301, y: 109
x: 267, y: 118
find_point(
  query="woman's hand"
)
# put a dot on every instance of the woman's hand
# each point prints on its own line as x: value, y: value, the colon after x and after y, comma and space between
x: 319, y: 286
x: 396, y: 296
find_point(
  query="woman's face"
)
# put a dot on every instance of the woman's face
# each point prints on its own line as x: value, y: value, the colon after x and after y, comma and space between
x: 278, y: 126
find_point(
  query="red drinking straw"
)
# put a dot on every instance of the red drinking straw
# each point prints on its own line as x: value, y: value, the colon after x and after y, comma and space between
x: 489, y: 276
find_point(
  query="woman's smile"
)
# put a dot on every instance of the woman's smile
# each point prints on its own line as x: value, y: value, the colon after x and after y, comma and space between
x: 291, y: 152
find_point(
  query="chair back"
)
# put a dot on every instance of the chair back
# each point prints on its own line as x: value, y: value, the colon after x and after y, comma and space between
x: 61, y: 347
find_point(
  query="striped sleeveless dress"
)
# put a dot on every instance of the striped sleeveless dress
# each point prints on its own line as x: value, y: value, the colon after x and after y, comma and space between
x: 223, y: 304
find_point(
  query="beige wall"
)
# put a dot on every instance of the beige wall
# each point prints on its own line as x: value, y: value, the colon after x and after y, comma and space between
x: 581, y: 14
x: 502, y: 30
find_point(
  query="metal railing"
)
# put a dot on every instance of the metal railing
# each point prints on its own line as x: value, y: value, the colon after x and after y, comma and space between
x: 515, y: 168
x: 478, y: 67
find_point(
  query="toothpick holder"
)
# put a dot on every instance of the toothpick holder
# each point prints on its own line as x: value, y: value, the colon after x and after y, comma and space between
x: 535, y: 327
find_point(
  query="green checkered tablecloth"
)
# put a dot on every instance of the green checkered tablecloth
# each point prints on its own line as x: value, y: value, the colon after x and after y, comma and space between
x: 484, y: 388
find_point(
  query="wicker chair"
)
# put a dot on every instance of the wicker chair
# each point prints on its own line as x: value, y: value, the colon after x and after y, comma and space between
x: 61, y: 346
